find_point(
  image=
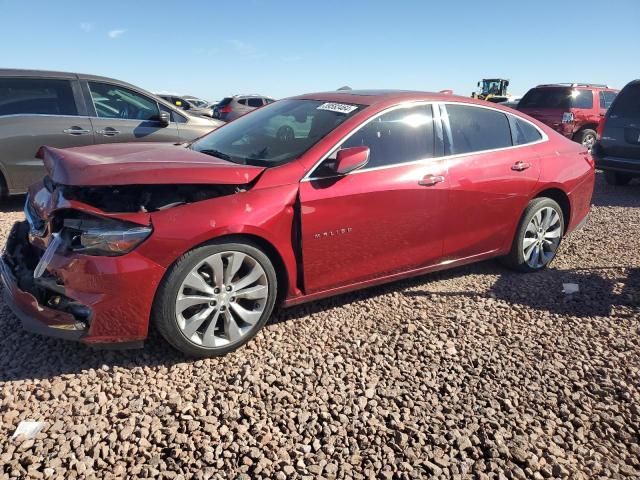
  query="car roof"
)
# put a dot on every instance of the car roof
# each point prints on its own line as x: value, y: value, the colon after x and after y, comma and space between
x: 586, y: 86
x: 372, y: 97
x: 15, y: 72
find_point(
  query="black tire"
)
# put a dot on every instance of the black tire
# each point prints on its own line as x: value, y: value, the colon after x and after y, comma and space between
x: 4, y: 190
x: 516, y: 259
x: 586, y: 137
x: 163, y: 314
x: 617, y: 178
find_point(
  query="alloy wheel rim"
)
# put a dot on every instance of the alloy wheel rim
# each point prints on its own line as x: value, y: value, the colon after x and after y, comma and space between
x: 221, y: 299
x: 542, y: 237
x: 589, y: 141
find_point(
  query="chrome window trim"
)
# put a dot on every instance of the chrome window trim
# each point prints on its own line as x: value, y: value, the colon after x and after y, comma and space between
x: 436, y: 106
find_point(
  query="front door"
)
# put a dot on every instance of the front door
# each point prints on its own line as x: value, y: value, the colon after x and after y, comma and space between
x: 386, y: 217
x: 127, y: 116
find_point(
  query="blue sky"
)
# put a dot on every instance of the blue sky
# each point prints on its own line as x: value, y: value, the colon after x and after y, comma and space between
x: 280, y: 48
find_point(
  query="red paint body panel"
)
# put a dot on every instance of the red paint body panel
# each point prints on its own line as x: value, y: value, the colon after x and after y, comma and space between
x: 371, y: 223
x: 486, y: 200
x: 329, y: 236
x: 144, y: 164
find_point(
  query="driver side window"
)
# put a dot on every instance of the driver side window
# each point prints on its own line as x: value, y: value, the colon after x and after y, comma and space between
x: 113, y: 101
x: 399, y: 136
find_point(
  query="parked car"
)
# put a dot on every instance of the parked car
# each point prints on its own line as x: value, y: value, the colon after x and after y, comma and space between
x: 198, y: 102
x: 231, y: 108
x: 192, y: 105
x: 71, y: 110
x: 573, y: 109
x: 206, y: 240
x: 617, y: 151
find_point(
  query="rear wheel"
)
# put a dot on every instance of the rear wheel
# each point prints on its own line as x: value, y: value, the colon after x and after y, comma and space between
x: 215, y: 298
x: 538, y: 237
x: 586, y: 137
x: 617, y: 178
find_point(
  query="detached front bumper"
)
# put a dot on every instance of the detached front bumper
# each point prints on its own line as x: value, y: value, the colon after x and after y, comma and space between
x: 96, y: 300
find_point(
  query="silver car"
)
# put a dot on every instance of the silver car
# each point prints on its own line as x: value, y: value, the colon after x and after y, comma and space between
x: 192, y: 105
x: 72, y: 110
x: 230, y: 108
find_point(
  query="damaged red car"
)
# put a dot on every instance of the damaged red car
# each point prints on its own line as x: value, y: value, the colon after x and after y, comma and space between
x: 305, y: 198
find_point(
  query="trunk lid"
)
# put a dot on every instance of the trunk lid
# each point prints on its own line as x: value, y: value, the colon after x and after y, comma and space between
x: 141, y: 164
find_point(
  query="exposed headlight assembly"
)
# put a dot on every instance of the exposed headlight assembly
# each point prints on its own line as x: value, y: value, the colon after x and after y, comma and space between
x: 108, y: 237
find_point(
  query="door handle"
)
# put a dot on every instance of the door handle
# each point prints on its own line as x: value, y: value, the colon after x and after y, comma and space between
x: 76, y: 131
x: 431, y: 180
x: 520, y: 166
x: 109, y: 132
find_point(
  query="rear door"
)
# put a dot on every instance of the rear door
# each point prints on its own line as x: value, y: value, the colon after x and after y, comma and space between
x: 382, y: 219
x: 34, y: 112
x: 490, y: 178
x: 123, y: 115
x: 621, y: 135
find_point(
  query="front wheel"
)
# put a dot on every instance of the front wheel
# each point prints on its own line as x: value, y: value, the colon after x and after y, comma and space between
x: 538, y: 237
x: 215, y: 298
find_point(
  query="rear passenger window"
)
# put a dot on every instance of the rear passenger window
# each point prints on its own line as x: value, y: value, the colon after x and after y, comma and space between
x: 242, y: 101
x: 582, y: 99
x: 255, y: 102
x: 474, y: 129
x: 606, y: 99
x: 402, y: 135
x: 523, y: 132
x: 38, y: 96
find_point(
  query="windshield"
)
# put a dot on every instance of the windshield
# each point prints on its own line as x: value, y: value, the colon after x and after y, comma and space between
x: 556, y: 98
x: 491, y: 87
x: 277, y: 133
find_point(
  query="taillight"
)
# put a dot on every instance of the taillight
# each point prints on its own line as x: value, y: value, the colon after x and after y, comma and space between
x: 225, y: 109
x: 600, y: 129
x: 567, y: 117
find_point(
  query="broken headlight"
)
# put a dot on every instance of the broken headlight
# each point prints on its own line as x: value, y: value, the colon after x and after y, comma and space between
x: 94, y: 236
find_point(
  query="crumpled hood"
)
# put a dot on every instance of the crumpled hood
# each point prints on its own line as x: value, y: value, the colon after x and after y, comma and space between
x: 141, y: 164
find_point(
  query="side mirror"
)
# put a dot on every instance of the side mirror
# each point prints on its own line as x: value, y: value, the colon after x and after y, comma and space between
x: 350, y: 159
x: 164, y: 118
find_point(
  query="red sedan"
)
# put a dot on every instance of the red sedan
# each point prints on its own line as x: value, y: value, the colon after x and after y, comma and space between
x: 309, y: 197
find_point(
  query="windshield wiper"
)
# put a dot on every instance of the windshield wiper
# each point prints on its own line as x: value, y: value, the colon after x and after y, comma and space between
x: 215, y: 153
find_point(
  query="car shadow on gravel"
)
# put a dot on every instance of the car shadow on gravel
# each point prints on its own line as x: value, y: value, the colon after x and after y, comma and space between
x: 606, y: 195
x: 24, y: 355
x: 600, y: 289
x: 598, y: 294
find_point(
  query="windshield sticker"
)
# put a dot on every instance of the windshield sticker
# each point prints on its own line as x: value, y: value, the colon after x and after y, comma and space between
x: 338, y: 107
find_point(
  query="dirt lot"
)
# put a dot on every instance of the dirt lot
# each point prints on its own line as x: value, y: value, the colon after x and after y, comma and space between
x: 472, y: 373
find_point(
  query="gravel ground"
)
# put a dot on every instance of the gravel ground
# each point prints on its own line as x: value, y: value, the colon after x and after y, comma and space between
x: 471, y: 373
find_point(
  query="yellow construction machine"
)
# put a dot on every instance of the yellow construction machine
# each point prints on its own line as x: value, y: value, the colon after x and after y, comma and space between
x: 492, y: 90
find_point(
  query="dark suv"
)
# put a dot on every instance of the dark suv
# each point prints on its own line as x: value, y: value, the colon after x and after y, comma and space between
x: 72, y: 110
x: 618, y: 149
x: 573, y: 109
